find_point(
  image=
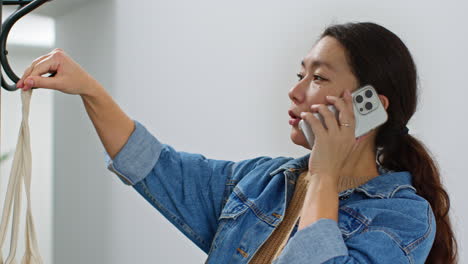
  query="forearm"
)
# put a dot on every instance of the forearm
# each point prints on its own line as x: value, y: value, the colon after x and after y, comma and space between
x: 321, y: 202
x: 112, y: 125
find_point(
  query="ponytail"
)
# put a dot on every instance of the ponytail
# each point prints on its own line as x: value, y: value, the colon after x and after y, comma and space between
x: 406, y: 153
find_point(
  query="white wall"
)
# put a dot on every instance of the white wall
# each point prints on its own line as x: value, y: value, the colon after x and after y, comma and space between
x: 82, y: 204
x: 212, y: 77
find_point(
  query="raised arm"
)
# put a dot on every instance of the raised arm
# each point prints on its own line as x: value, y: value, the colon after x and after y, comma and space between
x: 113, y: 126
x: 189, y: 189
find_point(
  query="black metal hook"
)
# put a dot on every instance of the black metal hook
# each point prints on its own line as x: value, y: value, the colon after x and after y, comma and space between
x: 25, y: 7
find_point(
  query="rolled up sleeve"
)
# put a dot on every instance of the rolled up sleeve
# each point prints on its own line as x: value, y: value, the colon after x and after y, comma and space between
x: 137, y: 157
x: 322, y: 242
x: 316, y: 243
x: 188, y: 189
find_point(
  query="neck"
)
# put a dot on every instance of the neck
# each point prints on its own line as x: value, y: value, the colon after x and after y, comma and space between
x: 360, y: 168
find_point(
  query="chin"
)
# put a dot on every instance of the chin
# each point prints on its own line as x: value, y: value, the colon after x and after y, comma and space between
x: 298, y: 138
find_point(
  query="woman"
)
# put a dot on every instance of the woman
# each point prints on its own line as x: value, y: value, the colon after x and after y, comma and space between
x: 374, y: 199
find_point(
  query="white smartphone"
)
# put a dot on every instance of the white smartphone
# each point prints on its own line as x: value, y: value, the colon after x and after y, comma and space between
x: 369, y: 113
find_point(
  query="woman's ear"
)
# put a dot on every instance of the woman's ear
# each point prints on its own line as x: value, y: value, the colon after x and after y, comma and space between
x: 384, y: 101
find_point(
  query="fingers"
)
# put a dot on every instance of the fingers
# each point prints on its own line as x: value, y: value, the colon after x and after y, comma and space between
x: 46, y: 66
x: 314, y: 123
x: 345, y: 108
x: 43, y: 82
x: 29, y: 70
x: 329, y: 117
x: 20, y: 83
x: 35, y: 79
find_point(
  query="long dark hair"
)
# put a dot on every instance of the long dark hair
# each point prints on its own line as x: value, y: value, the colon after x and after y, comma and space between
x: 378, y: 57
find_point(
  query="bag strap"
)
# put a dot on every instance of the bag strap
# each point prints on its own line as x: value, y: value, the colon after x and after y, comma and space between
x: 31, y: 255
x: 20, y: 173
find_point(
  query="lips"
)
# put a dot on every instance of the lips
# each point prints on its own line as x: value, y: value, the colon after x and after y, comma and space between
x: 292, y: 115
x: 294, y: 121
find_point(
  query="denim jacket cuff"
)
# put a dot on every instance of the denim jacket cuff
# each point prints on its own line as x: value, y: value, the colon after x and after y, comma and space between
x: 316, y: 243
x: 137, y: 157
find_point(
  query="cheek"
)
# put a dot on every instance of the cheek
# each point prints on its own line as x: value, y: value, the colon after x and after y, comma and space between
x: 316, y: 95
x: 298, y: 138
x: 348, y: 83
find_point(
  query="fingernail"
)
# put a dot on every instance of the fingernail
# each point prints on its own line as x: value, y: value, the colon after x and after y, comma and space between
x: 348, y: 92
x: 302, y: 114
x: 19, y: 84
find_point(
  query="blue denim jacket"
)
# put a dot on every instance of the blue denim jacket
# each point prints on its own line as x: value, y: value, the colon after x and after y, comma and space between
x: 229, y: 209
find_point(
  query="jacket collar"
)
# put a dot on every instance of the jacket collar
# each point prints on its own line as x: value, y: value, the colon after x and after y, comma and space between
x: 301, y: 163
x: 383, y: 186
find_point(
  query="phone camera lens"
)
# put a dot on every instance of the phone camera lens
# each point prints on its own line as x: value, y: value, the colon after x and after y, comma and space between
x: 368, y: 105
x: 368, y: 93
x: 359, y: 99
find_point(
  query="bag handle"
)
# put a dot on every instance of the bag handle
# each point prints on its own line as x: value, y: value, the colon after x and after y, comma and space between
x: 20, y: 173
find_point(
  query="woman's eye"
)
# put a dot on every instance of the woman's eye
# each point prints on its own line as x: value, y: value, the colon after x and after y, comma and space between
x: 319, y: 78
x: 300, y: 76
x: 316, y: 77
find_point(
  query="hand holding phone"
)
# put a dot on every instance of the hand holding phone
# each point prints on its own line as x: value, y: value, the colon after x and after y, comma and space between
x: 368, y: 111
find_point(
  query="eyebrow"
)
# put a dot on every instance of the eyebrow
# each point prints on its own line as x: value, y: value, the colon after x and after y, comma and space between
x: 318, y: 63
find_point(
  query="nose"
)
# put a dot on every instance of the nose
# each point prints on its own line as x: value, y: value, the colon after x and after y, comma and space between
x: 297, y: 93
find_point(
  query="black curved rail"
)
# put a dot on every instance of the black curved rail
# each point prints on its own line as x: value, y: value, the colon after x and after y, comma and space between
x: 25, y: 7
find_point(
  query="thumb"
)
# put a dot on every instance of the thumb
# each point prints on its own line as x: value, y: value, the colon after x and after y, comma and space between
x: 41, y: 82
